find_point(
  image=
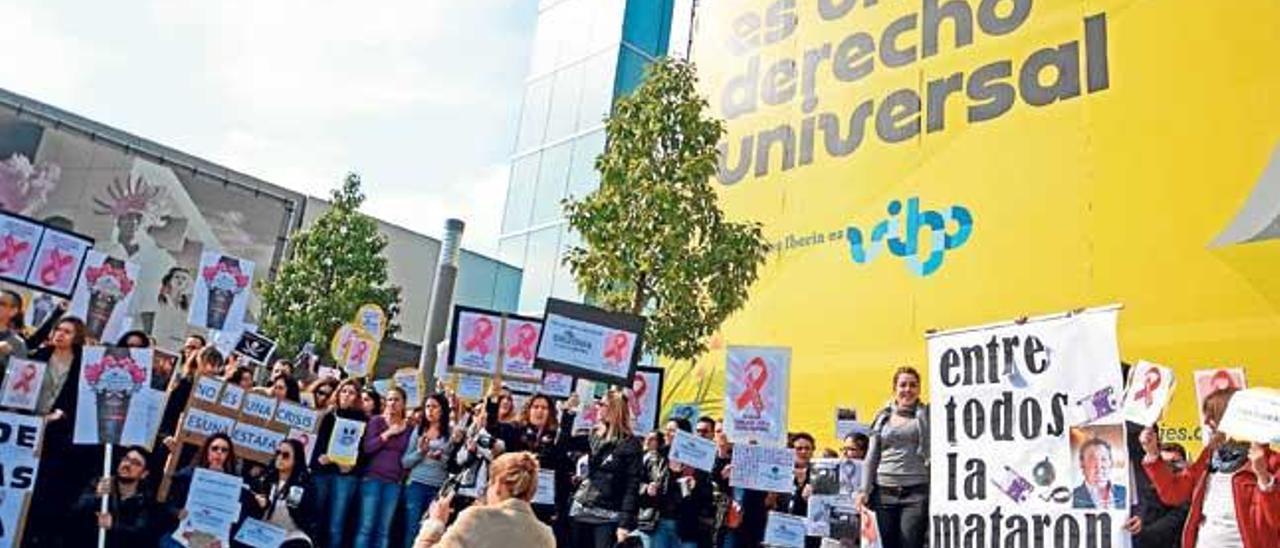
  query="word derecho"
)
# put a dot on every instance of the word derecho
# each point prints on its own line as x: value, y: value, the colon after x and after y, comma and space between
x: 1046, y: 76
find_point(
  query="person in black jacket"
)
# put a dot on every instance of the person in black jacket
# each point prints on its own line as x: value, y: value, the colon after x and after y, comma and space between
x: 605, y: 505
x: 285, y: 495
x: 537, y: 431
x: 130, y: 507
x: 218, y: 454
x: 335, y: 484
x: 683, y: 496
x: 1152, y: 523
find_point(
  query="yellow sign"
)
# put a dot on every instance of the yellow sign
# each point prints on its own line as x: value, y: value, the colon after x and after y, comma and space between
x: 925, y: 167
x: 354, y: 349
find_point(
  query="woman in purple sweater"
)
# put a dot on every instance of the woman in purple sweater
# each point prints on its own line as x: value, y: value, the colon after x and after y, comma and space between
x: 385, y: 441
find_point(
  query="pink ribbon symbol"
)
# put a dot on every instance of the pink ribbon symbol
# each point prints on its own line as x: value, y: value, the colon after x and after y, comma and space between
x: 23, y: 384
x: 639, y: 387
x: 481, y: 330
x: 526, y: 335
x: 9, y: 253
x: 616, y: 352
x: 757, y: 375
x: 54, y: 266
x: 1148, y: 390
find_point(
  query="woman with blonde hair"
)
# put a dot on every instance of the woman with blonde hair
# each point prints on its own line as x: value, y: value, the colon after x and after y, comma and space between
x: 502, y: 520
x: 606, y: 504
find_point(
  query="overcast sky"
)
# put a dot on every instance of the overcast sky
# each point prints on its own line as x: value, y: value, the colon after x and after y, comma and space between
x: 418, y: 96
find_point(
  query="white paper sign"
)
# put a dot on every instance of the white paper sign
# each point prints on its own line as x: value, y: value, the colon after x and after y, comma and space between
x: 213, y: 503
x: 19, y: 442
x: 693, y: 450
x: 784, y: 530
x: 1149, y: 390
x: 763, y: 468
x: 109, y: 378
x: 232, y: 397
x: 1049, y: 374
x: 104, y: 295
x: 756, y: 391
x: 410, y: 381
x: 259, y: 406
x: 1254, y: 415
x: 207, y: 389
x: 344, y: 442
x: 297, y: 416
x: 57, y: 262
x: 22, y: 384
x: 260, y: 534
x: 221, y: 293
x: 546, y: 493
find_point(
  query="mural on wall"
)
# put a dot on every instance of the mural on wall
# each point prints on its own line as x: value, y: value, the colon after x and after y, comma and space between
x: 159, y: 217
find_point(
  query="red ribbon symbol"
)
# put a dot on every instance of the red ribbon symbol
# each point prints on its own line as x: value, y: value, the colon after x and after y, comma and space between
x: 9, y: 253
x: 481, y: 330
x: 526, y: 335
x: 616, y: 352
x: 757, y: 375
x: 1148, y: 391
x: 23, y: 384
x: 54, y: 267
x: 639, y: 387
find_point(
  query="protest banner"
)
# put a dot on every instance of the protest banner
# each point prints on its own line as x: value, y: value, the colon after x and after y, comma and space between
x: 372, y: 319
x: 251, y: 439
x: 1148, y: 392
x: 20, y: 441
x: 104, y: 294
x: 784, y: 531
x: 354, y: 350
x: 256, y: 533
x: 221, y: 292
x: 590, y: 343
x: 756, y: 391
x: 255, y: 348
x: 19, y: 237
x: 109, y: 378
x: 520, y: 344
x: 645, y: 398
x: 693, y: 451
x: 1028, y: 407
x: 1253, y: 414
x: 344, y: 443
x: 763, y: 468
x: 410, y: 380
x: 476, y: 340
x: 22, y: 382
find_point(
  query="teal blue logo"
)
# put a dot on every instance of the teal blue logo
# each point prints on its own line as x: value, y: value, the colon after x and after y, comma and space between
x: 902, y: 233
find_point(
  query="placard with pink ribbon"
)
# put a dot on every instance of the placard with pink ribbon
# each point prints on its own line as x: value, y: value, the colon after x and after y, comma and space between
x: 477, y: 340
x: 757, y: 379
x: 520, y: 345
x: 589, y: 342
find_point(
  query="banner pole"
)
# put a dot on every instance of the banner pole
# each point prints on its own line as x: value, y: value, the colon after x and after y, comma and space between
x: 103, y: 506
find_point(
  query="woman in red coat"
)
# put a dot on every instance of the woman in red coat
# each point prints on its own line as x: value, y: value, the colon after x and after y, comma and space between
x: 1232, y: 487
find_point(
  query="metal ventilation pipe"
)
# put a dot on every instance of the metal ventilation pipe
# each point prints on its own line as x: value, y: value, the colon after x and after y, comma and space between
x: 441, y: 300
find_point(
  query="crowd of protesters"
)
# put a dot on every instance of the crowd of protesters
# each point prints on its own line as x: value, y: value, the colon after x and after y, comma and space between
x: 451, y: 473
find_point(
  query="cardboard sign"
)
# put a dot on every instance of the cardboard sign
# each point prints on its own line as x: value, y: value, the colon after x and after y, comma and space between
x: 757, y: 383
x: 221, y: 293
x: 344, y: 442
x: 22, y: 382
x: 1208, y: 381
x: 1253, y: 415
x: 104, y: 295
x: 556, y: 385
x: 202, y: 424
x: 475, y: 345
x: 693, y: 450
x: 1148, y: 393
x: 249, y: 437
x: 232, y: 396
x: 588, y: 342
x: 520, y: 346
x: 109, y: 379
x: 763, y: 468
x: 256, y: 348
x: 207, y: 390
x: 20, y: 441
x: 297, y: 417
x: 259, y: 406
x: 847, y: 423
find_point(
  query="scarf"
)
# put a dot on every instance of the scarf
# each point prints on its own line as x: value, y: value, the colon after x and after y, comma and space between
x: 1229, y: 457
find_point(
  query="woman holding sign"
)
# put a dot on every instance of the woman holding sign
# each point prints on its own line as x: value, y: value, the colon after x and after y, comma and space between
x: 1232, y: 486
x: 385, y: 442
x: 218, y: 454
x: 285, y: 495
x: 897, y: 465
x: 336, y: 483
x: 430, y: 450
x: 605, y: 506
x: 76, y: 465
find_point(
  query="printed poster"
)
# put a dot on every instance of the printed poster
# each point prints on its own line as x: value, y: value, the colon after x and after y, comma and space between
x: 693, y: 450
x: 57, y: 262
x: 588, y: 342
x: 520, y: 346
x: 110, y: 378
x: 588, y: 392
x: 221, y: 293
x: 22, y: 382
x: 470, y: 387
x: 20, y: 453
x: 1254, y: 415
x: 18, y: 241
x: 474, y: 348
x: 784, y: 530
x: 546, y: 492
x: 104, y: 295
x: 1150, y: 387
x: 556, y: 385
x: 1208, y: 381
x: 645, y: 398
x: 763, y: 468
x: 1042, y: 431
x: 410, y: 381
x: 344, y: 442
x: 255, y: 348
x: 756, y: 391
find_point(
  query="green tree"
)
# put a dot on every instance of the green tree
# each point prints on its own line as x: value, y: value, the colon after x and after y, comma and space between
x: 334, y: 266
x: 655, y: 241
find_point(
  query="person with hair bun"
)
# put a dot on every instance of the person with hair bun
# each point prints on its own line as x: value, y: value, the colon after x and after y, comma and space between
x: 503, y: 520
x: 896, y: 482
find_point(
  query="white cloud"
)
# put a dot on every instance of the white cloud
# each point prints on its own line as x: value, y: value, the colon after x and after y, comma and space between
x: 477, y: 198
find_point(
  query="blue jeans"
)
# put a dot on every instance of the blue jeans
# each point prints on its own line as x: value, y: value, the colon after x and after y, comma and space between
x: 417, y: 498
x: 665, y: 535
x: 378, y: 500
x: 333, y: 498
